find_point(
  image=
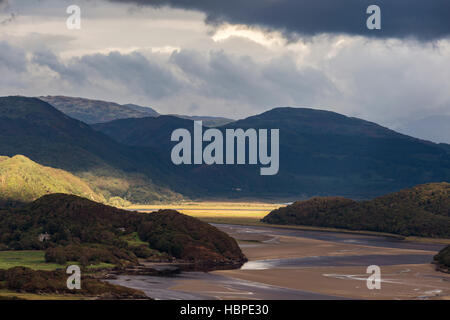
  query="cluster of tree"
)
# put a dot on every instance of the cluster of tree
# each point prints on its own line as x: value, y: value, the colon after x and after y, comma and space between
x: 187, y: 238
x: 91, y: 254
x: 71, y: 228
x: 442, y: 259
x: 37, y: 281
x: 420, y: 211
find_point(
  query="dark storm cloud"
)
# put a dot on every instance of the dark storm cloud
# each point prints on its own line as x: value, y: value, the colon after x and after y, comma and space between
x: 421, y: 19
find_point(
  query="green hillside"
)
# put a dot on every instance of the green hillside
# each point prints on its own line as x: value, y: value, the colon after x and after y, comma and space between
x: 423, y: 210
x: 22, y: 180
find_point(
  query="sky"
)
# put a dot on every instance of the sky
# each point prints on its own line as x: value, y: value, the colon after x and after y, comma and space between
x: 237, y: 58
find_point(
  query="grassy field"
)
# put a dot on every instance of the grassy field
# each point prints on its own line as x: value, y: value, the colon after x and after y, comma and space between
x: 250, y: 213
x: 35, y: 260
x: 31, y: 259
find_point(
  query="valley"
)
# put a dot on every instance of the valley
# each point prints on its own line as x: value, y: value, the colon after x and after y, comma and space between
x: 224, y: 150
x: 241, y: 227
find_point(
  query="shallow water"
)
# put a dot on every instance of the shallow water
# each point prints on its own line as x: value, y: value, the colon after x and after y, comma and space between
x: 339, y: 261
x: 366, y: 240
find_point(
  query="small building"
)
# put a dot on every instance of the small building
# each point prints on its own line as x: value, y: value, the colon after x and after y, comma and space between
x: 44, y: 237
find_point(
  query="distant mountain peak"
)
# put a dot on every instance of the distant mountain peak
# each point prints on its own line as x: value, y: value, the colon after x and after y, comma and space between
x: 97, y: 111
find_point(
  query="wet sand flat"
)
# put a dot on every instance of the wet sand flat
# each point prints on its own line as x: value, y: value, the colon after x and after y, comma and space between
x: 210, y: 286
x: 335, y: 264
x: 398, y: 281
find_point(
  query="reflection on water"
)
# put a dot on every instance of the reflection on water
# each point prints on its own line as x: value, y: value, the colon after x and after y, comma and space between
x: 257, y: 265
x: 324, y: 261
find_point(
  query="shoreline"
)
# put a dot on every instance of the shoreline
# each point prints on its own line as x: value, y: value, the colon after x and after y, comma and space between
x: 334, y: 230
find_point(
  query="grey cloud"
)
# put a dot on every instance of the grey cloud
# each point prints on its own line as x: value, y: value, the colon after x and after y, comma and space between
x: 66, y: 73
x: 132, y: 71
x: 242, y: 80
x: 307, y: 85
x: 421, y: 19
x: 9, y: 19
x: 12, y: 58
x: 192, y: 78
x: 387, y: 82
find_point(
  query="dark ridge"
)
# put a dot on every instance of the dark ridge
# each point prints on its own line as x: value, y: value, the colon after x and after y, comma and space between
x: 420, y: 211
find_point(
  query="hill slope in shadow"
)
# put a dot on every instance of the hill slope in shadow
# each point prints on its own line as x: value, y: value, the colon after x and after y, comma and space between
x: 321, y: 153
x: 423, y: 210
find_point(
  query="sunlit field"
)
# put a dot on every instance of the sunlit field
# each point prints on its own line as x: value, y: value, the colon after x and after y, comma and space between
x: 218, y: 212
x: 26, y: 258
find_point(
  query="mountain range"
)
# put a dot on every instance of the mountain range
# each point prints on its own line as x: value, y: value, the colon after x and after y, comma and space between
x: 97, y: 111
x: 321, y: 153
